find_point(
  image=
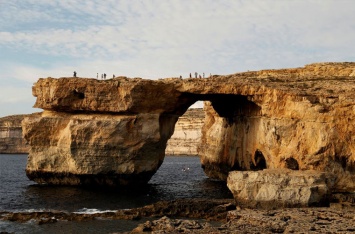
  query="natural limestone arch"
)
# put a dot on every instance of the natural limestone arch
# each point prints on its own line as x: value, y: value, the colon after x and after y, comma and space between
x: 114, y: 132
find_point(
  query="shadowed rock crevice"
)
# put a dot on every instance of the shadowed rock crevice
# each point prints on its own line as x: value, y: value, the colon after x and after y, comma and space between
x: 259, y: 161
x: 234, y: 107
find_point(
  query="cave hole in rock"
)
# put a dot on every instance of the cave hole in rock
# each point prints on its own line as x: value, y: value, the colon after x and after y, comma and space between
x: 292, y: 164
x: 78, y: 94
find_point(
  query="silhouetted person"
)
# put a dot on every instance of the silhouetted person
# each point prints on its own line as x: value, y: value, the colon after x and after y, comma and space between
x: 113, y: 76
x: 190, y: 75
x: 74, y: 73
x: 195, y: 74
x: 203, y: 75
x: 104, y: 76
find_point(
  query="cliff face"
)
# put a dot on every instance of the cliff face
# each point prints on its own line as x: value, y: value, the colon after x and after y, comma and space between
x: 11, y: 141
x: 187, y: 133
x: 115, y: 131
x: 184, y: 141
x: 301, y: 119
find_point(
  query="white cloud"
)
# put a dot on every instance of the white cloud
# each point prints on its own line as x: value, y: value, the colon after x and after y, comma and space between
x: 154, y: 38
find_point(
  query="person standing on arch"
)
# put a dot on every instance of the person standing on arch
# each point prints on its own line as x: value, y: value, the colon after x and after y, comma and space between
x: 104, y: 76
x: 74, y: 74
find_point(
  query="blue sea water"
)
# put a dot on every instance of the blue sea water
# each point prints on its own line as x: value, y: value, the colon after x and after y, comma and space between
x: 178, y: 177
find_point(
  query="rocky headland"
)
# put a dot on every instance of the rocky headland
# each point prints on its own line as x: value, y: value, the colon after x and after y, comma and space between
x: 115, y: 131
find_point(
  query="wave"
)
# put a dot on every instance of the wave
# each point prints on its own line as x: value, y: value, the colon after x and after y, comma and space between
x: 93, y: 211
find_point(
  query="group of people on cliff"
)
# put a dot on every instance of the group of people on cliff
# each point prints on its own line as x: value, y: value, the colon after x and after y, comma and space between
x: 199, y: 75
x: 103, y: 76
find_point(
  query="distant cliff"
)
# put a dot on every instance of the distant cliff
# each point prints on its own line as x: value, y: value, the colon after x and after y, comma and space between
x: 184, y: 141
x: 11, y: 141
x: 187, y: 133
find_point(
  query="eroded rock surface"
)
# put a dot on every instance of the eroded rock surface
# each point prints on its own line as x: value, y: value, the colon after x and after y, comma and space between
x: 184, y: 141
x: 77, y: 149
x: 301, y: 118
x: 277, y: 188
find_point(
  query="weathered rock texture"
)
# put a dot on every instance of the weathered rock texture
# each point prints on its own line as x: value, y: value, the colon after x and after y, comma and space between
x: 11, y: 141
x: 187, y: 133
x: 184, y: 141
x: 276, y: 188
x: 301, y: 118
x: 95, y: 149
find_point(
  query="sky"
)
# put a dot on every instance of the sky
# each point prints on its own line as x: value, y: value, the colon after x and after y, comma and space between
x: 156, y: 39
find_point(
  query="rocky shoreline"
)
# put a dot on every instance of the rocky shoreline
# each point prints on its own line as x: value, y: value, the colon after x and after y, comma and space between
x: 215, y: 216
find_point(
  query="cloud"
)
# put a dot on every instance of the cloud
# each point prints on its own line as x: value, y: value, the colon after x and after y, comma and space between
x: 155, y: 39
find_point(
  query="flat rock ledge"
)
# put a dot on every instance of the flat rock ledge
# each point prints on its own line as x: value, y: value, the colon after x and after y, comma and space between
x: 275, y: 188
x: 291, y: 220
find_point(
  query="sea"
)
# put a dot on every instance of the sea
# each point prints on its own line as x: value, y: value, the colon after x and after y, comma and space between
x: 178, y: 177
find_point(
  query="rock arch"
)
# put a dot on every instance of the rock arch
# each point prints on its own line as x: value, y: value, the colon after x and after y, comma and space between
x: 114, y: 132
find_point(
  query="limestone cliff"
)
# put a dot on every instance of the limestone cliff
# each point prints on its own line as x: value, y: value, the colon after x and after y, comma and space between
x: 301, y: 118
x: 184, y: 141
x: 115, y: 131
x: 187, y: 133
x: 11, y: 141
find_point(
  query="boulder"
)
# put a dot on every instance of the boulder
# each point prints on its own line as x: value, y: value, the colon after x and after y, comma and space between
x: 276, y: 188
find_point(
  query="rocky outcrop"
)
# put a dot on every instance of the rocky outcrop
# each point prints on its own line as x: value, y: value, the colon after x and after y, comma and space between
x: 103, y: 149
x: 301, y: 118
x: 276, y: 188
x: 11, y: 141
x: 187, y: 133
